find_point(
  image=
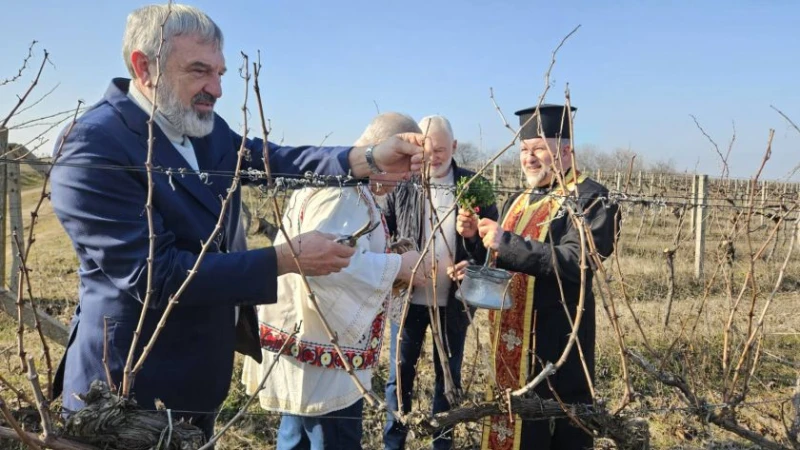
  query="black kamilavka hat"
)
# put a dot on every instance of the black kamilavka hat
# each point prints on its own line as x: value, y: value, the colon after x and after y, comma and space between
x: 555, y: 122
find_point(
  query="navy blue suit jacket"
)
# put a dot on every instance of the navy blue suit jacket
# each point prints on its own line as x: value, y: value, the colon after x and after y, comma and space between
x: 101, y: 204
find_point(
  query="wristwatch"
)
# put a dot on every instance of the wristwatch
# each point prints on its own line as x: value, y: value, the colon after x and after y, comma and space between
x: 371, y: 161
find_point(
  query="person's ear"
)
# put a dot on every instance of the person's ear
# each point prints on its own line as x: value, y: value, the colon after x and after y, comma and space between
x: 142, y: 68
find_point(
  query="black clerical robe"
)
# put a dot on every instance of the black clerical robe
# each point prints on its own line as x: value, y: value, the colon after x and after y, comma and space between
x: 542, y: 246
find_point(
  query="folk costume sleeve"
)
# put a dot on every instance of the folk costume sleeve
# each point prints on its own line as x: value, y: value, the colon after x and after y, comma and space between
x: 350, y: 299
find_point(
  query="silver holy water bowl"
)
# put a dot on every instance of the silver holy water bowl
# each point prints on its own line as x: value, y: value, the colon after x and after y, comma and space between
x: 486, y: 287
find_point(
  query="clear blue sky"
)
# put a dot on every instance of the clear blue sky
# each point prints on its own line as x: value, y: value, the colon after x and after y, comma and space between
x: 636, y: 69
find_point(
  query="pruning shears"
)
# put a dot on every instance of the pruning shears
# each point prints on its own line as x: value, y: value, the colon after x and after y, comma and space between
x: 350, y: 239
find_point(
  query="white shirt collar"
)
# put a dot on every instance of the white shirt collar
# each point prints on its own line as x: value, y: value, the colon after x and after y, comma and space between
x: 444, y: 179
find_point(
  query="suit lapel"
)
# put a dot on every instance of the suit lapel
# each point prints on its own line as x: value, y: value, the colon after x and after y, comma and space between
x: 165, y: 155
x: 209, y: 158
x: 214, y: 155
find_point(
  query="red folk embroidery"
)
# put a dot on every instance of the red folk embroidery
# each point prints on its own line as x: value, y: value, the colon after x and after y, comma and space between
x: 325, y: 355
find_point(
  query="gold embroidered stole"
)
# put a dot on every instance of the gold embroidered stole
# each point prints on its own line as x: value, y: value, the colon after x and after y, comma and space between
x: 511, y: 330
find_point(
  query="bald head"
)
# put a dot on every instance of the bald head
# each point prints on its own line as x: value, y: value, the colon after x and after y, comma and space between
x: 436, y: 124
x: 385, y: 125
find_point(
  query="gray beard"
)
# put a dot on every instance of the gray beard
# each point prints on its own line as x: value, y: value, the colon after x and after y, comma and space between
x: 534, y: 180
x: 186, y: 120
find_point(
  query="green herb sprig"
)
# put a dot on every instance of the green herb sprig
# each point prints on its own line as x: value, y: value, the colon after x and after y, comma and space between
x: 475, y: 194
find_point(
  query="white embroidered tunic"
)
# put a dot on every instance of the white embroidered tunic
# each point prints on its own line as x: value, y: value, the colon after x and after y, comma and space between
x: 308, y: 378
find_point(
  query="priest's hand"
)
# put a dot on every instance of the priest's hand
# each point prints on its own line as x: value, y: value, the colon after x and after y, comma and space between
x: 317, y: 254
x: 491, y: 233
x: 466, y: 223
x: 456, y: 272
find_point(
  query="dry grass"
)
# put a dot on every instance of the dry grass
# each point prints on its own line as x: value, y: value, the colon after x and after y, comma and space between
x: 644, y: 269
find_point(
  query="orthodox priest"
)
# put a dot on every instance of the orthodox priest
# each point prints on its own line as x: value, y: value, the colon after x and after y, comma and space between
x: 537, y: 240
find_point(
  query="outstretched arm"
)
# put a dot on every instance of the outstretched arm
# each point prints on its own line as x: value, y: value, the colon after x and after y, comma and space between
x: 535, y: 258
x: 399, y: 154
x: 103, y: 213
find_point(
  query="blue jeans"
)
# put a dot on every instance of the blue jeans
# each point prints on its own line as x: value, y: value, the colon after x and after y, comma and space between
x: 337, y: 430
x: 416, y: 325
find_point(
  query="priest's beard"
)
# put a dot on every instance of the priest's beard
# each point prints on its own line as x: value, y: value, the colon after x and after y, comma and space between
x: 534, y: 179
x: 185, y: 119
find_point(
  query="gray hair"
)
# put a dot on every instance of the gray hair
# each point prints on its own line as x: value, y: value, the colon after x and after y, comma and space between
x: 143, y: 30
x: 429, y: 124
x: 386, y: 125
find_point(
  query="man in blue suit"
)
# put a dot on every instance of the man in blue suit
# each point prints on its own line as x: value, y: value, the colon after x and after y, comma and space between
x: 99, y: 193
